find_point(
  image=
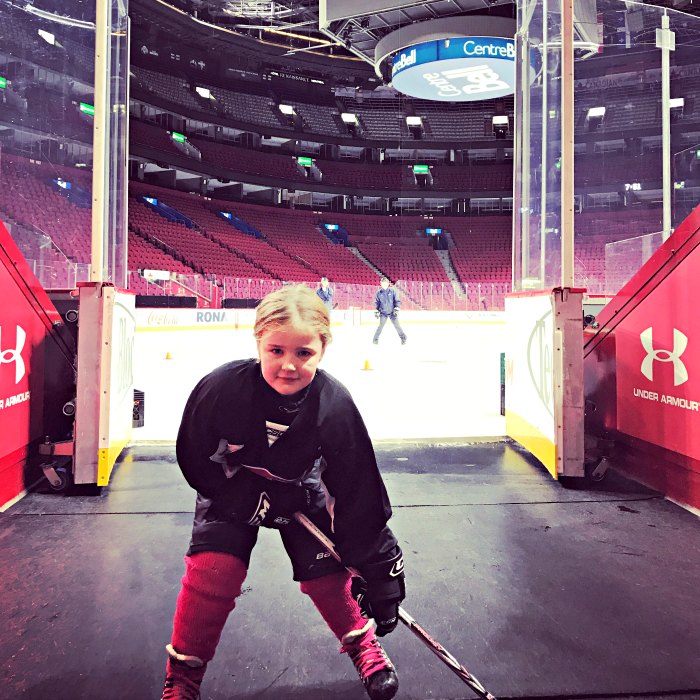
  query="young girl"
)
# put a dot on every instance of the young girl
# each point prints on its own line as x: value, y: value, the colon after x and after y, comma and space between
x: 260, y: 440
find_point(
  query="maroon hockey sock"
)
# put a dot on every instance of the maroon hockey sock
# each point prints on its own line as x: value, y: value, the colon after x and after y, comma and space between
x: 332, y: 598
x: 210, y: 586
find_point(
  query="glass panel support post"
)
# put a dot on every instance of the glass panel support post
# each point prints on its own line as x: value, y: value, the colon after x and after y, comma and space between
x: 567, y: 144
x: 666, y: 41
x: 100, y: 139
x: 544, y: 163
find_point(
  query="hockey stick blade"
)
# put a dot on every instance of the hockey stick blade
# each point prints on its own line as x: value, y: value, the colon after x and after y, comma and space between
x: 407, y: 620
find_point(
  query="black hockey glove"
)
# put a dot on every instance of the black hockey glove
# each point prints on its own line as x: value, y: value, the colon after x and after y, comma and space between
x: 260, y: 502
x: 381, y: 591
x: 377, y: 314
x: 275, y: 506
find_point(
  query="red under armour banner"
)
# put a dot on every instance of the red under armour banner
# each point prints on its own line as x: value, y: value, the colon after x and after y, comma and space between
x: 26, y: 315
x: 658, y: 365
x: 642, y: 370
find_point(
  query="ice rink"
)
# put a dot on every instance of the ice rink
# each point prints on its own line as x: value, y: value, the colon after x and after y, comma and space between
x: 444, y: 383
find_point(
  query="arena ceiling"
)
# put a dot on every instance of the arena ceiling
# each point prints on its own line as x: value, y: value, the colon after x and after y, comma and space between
x: 307, y: 33
x: 356, y: 30
x: 292, y: 34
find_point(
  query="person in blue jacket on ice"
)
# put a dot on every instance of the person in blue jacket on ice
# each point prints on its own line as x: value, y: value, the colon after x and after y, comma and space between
x: 387, y: 304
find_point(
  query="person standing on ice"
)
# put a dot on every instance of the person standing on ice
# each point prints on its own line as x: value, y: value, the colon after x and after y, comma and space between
x: 325, y: 293
x: 261, y: 439
x: 387, y: 305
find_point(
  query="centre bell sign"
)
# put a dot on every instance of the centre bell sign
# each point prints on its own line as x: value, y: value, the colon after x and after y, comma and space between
x: 460, y: 69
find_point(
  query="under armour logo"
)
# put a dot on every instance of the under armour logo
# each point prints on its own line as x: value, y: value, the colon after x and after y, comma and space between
x: 7, y: 356
x: 680, y: 343
x: 261, y: 510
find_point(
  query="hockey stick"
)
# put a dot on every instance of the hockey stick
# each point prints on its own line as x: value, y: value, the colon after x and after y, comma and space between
x: 412, y: 625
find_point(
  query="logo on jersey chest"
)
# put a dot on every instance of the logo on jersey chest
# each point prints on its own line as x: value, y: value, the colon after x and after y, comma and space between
x: 274, y: 431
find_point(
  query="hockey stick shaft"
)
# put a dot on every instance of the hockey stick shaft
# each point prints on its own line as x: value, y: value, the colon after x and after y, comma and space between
x: 407, y: 620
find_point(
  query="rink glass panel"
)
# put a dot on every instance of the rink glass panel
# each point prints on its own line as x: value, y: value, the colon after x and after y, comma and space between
x: 47, y: 108
x: 617, y: 139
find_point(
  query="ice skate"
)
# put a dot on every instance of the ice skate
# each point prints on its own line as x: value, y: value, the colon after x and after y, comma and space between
x: 373, y: 665
x: 183, y: 676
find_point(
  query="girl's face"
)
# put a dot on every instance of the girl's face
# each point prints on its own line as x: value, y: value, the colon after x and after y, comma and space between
x: 289, y: 356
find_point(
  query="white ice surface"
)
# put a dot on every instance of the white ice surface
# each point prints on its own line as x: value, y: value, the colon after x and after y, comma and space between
x: 444, y: 383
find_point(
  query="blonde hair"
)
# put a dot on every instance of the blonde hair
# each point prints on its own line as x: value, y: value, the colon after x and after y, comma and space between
x: 295, y: 304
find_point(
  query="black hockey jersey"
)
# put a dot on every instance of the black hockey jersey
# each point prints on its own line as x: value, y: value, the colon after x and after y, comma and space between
x: 223, y: 432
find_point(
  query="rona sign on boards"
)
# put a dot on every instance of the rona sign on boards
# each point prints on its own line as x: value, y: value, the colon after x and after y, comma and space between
x: 456, y: 70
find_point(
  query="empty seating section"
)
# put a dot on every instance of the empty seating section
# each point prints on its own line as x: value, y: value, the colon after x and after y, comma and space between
x: 630, y: 106
x: 271, y: 261
x: 244, y: 160
x: 616, y: 169
x: 200, y: 252
x: 415, y: 261
x: 459, y: 122
x: 169, y: 87
x: 395, y: 245
x: 18, y: 35
x: 152, y: 136
x: 293, y: 247
x: 627, y: 106
x: 482, y: 248
x: 637, y: 106
x: 82, y: 54
x: 27, y: 198
x: 381, y: 226
x: 49, y: 265
x: 249, y: 108
x: 54, y: 112
x: 481, y: 257
x: 144, y: 255
x: 298, y: 233
x: 476, y: 177
x: 379, y: 124
x: 392, y: 176
x: 380, y: 119
x: 33, y: 245
x: 319, y: 118
x: 74, y: 56
x: 594, y: 230
x: 139, y: 285
x: 690, y: 89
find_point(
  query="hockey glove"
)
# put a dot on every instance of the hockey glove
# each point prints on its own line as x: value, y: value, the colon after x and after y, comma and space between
x: 260, y: 502
x: 377, y: 314
x: 380, y: 593
x: 275, y: 506
x: 395, y: 313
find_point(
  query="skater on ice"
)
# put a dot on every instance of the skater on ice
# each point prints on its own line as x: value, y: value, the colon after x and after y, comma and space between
x: 387, y: 304
x: 325, y: 293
